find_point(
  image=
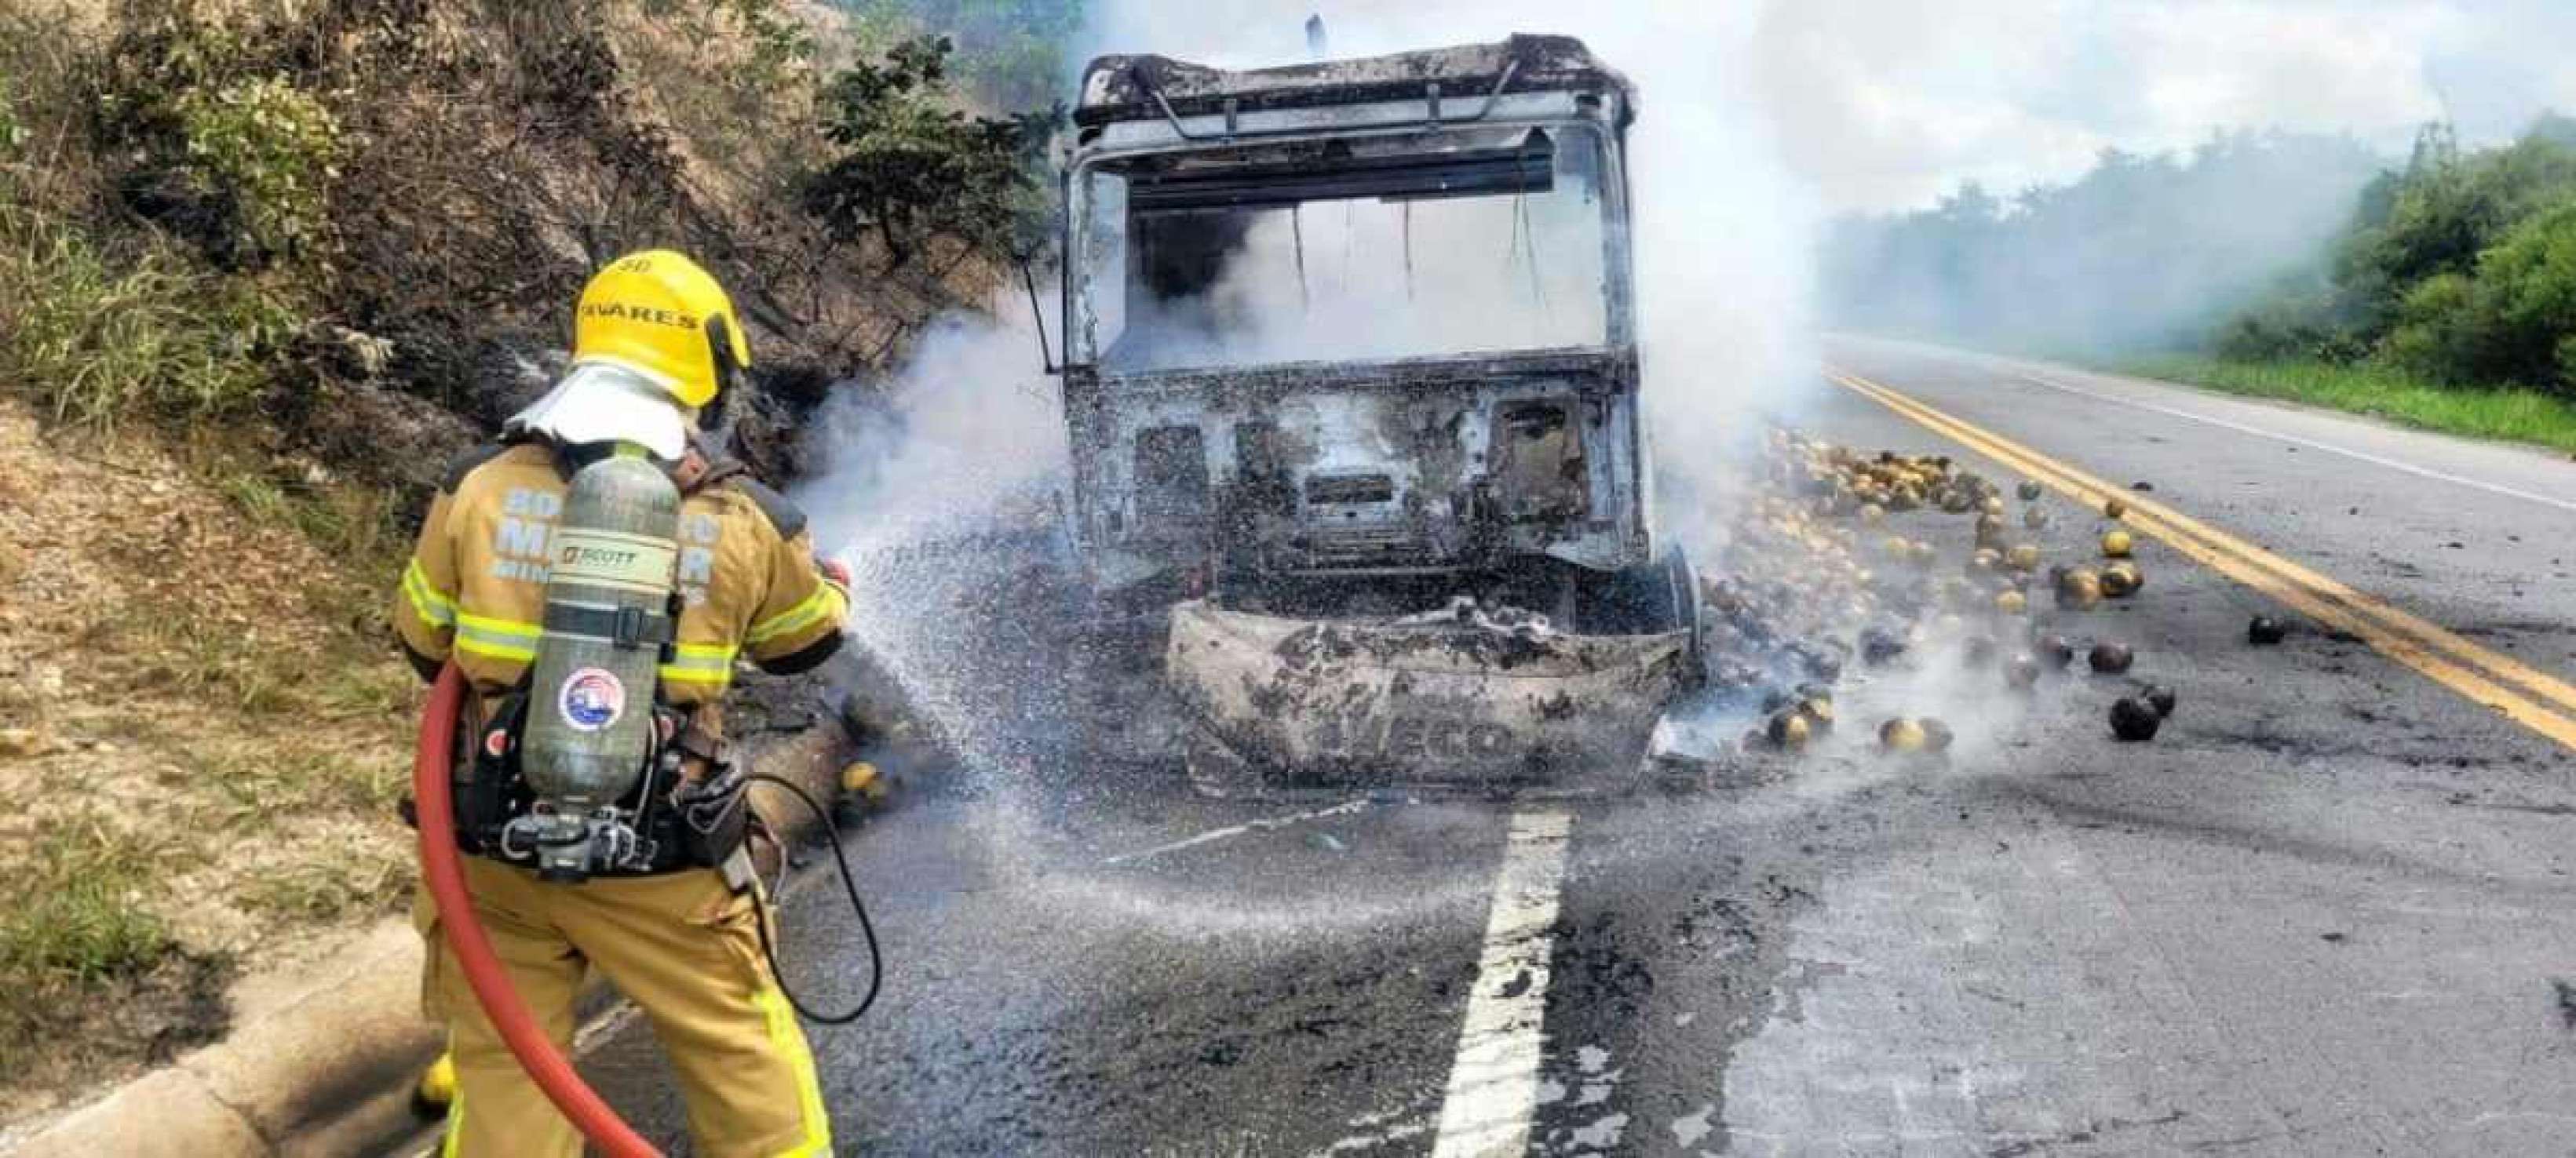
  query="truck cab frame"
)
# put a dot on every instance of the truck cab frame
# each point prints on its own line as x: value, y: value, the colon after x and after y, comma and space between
x: 1357, y: 325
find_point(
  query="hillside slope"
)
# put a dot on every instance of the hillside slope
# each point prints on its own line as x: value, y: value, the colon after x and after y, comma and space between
x: 201, y: 734
x: 263, y: 270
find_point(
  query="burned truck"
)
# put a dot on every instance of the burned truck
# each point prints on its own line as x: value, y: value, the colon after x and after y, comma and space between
x: 1351, y: 384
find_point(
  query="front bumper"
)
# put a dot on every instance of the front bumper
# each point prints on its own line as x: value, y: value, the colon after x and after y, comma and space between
x: 1306, y: 703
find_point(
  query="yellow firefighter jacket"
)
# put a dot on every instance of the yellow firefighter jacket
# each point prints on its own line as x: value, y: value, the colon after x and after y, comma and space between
x: 475, y: 589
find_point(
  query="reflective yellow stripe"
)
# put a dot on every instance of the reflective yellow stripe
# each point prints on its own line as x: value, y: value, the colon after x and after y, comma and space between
x: 455, y: 1126
x: 673, y: 675
x: 701, y: 663
x: 433, y: 607
x: 497, y: 638
x: 790, y: 1043
x: 510, y: 627
x: 826, y: 602
x: 496, y: 651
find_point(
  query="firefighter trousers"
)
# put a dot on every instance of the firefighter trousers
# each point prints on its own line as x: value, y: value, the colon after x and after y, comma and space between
x: 684, y: 948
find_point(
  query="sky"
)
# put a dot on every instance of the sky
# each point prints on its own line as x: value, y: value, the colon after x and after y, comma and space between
x: 1718, y: 218
x: 1888, y: 104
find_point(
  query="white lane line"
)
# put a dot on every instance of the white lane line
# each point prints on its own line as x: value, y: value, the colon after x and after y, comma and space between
x: 1493, y: 1085
x: 1236, y: 830
x: 2258, y: 432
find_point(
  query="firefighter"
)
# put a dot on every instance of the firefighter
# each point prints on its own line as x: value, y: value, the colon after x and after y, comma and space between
x: 656, y: 342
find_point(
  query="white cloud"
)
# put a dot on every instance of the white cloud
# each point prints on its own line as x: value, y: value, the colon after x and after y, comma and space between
x: 1887, y: 104
x: 1724, y: 226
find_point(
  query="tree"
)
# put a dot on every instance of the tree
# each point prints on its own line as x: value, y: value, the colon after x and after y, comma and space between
x: 1010, y: 53
x: 909, y: 166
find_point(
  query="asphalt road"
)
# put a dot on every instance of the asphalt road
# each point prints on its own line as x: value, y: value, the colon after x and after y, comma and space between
x: 2327, y: 912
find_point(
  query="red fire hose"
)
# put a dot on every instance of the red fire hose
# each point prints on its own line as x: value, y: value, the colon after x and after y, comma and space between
x: 445, y: 876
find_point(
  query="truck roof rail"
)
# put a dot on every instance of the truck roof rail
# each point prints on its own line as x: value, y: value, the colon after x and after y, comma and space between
x: 1132, y: 88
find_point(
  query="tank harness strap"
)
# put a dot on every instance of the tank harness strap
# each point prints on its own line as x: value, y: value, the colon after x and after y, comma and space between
x: 718, y: 473
x: 703, y: 466
x: 697, y: 742
x: 629, y: 626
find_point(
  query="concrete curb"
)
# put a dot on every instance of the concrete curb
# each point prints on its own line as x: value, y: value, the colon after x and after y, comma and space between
x: 324, y: 1064
x: 305, y: 1076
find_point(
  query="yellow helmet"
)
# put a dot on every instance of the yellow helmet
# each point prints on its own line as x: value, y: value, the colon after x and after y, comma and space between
x: 657, y: 313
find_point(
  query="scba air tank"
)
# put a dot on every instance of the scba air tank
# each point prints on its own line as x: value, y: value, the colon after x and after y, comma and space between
x: 607, y: 618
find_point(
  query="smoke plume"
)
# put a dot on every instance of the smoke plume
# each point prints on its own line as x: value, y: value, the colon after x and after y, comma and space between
x: 968, y: 438
x: 1724, y: 230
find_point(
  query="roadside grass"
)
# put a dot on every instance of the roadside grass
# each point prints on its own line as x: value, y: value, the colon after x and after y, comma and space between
x: 328, y: 892
x: 168, y: 654
x: 354, y: 522
x: 98, y: 336
x: 253, y: 804
x: 82, y: 931
x: 81, y: 922
x: 2515, y: 415
x: 267, y: 807
x: 253, y: 784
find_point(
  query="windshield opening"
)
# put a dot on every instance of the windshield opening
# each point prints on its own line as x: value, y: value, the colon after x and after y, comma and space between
x: 1455, y: 242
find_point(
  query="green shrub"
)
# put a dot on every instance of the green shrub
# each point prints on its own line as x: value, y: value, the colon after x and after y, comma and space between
x: 910, y: 167
x: 2437, y: 334
x: 269, y: 149
x: 2509, y: 322
x: 781, y: 43
x: 2525, y: 306
x: 218, y: 144
x: 1010, y: 53
x: 2301, y: 323
x: 2459, y: 268
x: 96, y: 338
x: 2448, y: 208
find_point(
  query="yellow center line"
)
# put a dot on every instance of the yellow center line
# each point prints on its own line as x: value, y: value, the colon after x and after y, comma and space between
x: 2495, y: 664
x: 2540, y: 702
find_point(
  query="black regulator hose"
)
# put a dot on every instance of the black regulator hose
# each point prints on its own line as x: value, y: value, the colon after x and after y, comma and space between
x: 849, y: 887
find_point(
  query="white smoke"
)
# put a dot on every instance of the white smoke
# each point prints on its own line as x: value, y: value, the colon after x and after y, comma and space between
x: 969, y: 423
x: 1380, y: 280
x: 1724, y: 229
x: 969, y: 434
x: 968, y: 438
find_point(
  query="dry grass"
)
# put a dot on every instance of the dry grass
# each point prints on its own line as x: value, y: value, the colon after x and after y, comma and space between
x: 194, y: 639
x: 95, y: 972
